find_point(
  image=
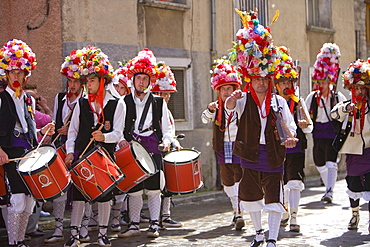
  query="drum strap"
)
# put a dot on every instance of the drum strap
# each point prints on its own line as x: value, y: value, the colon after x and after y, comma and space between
x: 145, y: 112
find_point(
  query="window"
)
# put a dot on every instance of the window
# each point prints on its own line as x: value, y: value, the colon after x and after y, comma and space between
x: 246, y: 5
x: 319, y: 13
x: 176, y: 103
x: 181, y: 101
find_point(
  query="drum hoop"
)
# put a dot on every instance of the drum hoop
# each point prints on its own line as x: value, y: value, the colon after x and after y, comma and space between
x: 88, y: 154
x: 139, y: 163
x: 51, y: 161
x: 183, y: 162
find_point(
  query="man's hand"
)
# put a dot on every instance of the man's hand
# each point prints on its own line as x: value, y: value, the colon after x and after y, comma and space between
x: 290, y: 142
x: 350, y: 107
x: 302, y: 124
x: 50, y: 127
x: 123, y: 144
x: 212, y: 106
x: 69, y: 159
x: 98, y: 136
x: 63, y: 130
x: 3, y: 157
x: 231, y: 101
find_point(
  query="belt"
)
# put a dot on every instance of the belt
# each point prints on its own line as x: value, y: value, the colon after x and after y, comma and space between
x: 20, y: 135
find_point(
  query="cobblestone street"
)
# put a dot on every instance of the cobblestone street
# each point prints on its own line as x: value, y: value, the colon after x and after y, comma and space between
x: 207, y: 217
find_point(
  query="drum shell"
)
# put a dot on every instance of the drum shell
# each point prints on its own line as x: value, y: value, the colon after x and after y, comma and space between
x: 135, y: 173
x: 183, y: 177
x: 62, y: 152
x: 49, y: 181
x: 95, y: 174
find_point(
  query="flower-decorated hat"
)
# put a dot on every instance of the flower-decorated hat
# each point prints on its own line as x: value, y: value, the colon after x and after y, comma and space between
x: 357, y: 73
x: 166, y: 80
x: 254, y: 50
x: 71, y: 67
x: 285, y: 67
x: 224, y: 73
x: 144, y: 62
x: 96, y: 63
x: 17, y: 55
x: 326, y: 66
x: 120, y: 75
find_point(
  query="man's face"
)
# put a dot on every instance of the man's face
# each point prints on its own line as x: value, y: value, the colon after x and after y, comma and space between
x: 225, y: 91
x: 284, y: 84
x: 120, y: 88
x: 15, y: 77
x: 165, y: 95
x: 260, y: 85
x: 360, y: 91
x: 323, y: 86
x: 74, y: 85
x: 141, y: 82
x: 92, y: 84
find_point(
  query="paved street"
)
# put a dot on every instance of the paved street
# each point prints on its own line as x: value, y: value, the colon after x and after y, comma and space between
x: 207, y: 216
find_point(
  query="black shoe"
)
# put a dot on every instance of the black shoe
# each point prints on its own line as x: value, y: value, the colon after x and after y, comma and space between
x: 271, y: 243
x: 104, y: 241
x: 256, y: 243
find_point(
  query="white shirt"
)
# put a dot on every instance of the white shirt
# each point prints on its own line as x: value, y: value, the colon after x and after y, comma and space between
x: 287, y: 116
x: 19, y: 106
x: 165, y: 122
x: 66, y: 110
x: 231, y: 129
x: 321, y: 115
x: 111, y: 137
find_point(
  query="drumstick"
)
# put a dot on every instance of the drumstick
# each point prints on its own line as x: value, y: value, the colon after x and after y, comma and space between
x: 59, y: 134
x: 15, y: 159
x: 88, y: 145
x: 46, y: 133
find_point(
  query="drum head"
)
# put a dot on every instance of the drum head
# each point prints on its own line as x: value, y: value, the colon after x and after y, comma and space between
x: 184, y: 155
x: 143, y: 157
x: 43, y: 156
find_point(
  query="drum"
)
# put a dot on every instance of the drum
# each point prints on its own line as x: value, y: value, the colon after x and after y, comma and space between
x: 44, y: 173
x: 95, y: 174
x: 62, y: 152
x: 182, y: 171
x: 136, y: 163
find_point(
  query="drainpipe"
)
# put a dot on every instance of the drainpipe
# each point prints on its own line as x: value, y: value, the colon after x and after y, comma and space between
x: 213, y: 30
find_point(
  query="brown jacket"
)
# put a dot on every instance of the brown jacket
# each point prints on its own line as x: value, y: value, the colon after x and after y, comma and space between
x: 248, y: 137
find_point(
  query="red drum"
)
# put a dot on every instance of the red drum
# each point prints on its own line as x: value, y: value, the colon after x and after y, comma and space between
x: 45, y: 173
x: 136, y: 163
x: 95, y: 174
x: 182, y: 171
x: 62, y: 152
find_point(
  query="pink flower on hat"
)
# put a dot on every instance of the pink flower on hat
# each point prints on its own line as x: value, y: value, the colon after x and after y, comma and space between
x: 224, y: 73
x: 326, y: 66
x: 166, y: 80
x: 17, y: 55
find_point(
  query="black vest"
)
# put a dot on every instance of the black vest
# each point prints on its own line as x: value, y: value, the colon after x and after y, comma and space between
x: 58, y: 118
x: 87, y: 124
x: 9, y: 118
x: 157, y: 104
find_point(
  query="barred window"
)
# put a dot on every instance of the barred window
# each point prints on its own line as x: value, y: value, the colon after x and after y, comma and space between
x: 246, y: 5
x: 177, y: 101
